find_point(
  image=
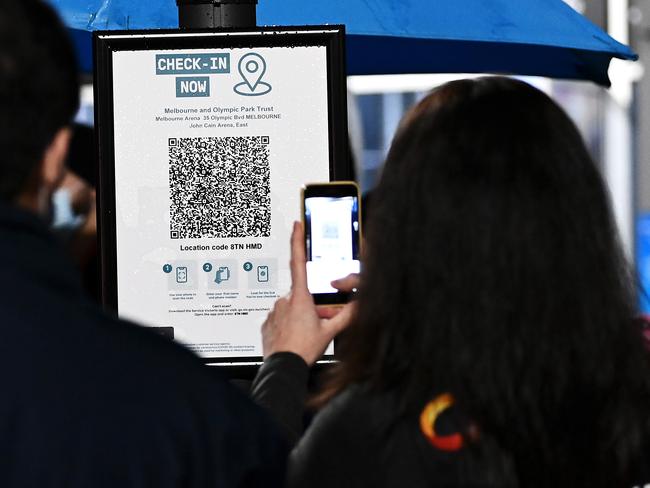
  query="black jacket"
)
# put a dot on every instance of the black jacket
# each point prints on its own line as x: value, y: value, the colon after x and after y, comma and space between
x: 90, y: 401
x: 359, y: 440
x: 355, y: 440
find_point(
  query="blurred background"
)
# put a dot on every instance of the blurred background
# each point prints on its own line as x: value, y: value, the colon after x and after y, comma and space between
x: 615, y: 122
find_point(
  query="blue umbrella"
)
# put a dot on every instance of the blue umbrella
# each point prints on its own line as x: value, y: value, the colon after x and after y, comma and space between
x: 526, y: 37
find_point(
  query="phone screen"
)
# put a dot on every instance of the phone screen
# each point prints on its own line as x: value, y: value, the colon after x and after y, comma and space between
x: 332, y: 242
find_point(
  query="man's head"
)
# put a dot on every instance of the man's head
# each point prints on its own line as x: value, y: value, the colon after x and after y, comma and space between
x: 39, y: 95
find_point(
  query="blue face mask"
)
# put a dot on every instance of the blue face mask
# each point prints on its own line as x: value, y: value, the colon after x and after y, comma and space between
x: 64, y: 218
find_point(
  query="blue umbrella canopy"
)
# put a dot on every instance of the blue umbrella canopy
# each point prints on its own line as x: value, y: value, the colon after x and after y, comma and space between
x: 526, y: 37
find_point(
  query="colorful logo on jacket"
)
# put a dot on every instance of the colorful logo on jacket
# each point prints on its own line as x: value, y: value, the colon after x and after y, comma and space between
x: 428, y: 417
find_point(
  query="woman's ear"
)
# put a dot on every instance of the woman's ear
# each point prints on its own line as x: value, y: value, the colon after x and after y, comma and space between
x: 52, y: 165
x: 46, y: 176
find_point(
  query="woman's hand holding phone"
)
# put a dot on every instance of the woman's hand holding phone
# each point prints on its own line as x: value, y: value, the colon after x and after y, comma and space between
x: 295, y: 324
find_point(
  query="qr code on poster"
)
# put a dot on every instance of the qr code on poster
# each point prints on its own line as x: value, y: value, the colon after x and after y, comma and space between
x: 219, y: 187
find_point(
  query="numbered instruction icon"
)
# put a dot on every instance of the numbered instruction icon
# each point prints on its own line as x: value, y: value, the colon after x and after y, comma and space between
x: 181, y: 274
x: 263, y: 274
x: 223, y: 274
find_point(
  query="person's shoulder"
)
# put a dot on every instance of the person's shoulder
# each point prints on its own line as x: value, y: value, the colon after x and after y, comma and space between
x: 362, y: 438
x: 359, y: 405
x: 134, y: 360
x: 215, y: 419
x: 144, y: 351
x: 340, y: 445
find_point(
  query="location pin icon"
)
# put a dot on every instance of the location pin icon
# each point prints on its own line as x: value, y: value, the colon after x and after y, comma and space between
x: 252, y: 68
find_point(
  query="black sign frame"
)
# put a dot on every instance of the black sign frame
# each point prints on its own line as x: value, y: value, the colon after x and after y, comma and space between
x: 105, y: 43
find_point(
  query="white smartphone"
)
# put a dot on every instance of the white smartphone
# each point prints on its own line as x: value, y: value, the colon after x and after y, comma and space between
x: 331, y: 214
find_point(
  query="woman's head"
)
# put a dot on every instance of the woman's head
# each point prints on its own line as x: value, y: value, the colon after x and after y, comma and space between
x: 493, y: 269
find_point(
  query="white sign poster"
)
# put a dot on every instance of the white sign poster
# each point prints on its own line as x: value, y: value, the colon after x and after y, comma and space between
x: 210, y: 146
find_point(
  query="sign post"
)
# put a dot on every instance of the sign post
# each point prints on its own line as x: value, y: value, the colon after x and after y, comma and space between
x: 196, y: 14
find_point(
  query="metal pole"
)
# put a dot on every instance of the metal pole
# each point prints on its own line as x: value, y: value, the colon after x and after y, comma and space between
x: 210, y: 14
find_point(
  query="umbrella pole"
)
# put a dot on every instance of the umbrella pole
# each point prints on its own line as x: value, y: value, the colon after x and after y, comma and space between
x: 211, y: 14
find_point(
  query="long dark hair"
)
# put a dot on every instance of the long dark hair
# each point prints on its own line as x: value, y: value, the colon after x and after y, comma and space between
x: 493, y: 271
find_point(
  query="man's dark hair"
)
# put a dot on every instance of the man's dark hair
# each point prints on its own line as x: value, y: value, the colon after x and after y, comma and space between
x: 39, y: 88
x: 493, y: 271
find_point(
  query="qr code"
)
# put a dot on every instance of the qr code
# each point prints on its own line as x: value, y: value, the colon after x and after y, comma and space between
x: 219, y: 187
